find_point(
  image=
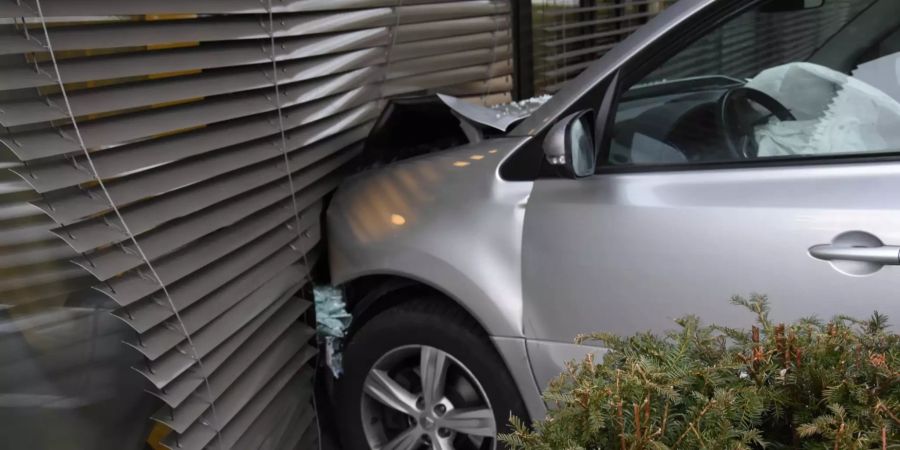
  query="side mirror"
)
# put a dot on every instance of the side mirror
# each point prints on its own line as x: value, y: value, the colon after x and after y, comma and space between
x: 791, y: 5
x: 569, y: 145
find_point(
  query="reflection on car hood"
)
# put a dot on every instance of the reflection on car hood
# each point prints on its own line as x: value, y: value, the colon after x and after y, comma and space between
x: 415, y: 126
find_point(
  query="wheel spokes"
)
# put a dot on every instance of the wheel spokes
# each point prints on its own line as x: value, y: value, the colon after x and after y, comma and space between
x: 441, y: 443
x: 407, y: 440
x: 471, y: 421
x: 433, y: 366
x: 436, y: 422
x: 388, y: 392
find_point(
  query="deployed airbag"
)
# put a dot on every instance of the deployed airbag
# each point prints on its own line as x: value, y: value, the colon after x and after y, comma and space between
x: 835, y: 113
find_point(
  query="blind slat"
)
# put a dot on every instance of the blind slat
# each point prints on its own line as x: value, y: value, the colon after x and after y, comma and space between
x: 148, y: 93
x: 179, y: 390
x: 269, y: 362
x: 179, y: 117
x: 56, y: 174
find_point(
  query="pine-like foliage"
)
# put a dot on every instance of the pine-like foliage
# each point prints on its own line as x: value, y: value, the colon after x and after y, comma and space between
x: 808, y: 385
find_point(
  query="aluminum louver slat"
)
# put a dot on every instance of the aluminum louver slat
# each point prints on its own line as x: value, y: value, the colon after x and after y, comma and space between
x: 283, y: 424
x: 307, y: 440
x: 298, y: 427
x: 129, y: 33
x: 569, y: 37
x: 450, y: 28
x: 68, y: 8
x: 434, y: 47
x: 237, y: 411
x: 160, y: 339
x: 736, y: 48
x: 165, y: 369
x: 133, y: 95
x: 262, y: 329
x: 449, y: 61
x: 195, y: 289
x: 437, y: 79
x: 27, y: 280
x: 206, y: 56
x: 503, y: 84
x: 130, y: 127
x: 108, y: 262
x: 603, y: 6
x: 33, y: 253
x: 147, y: 314
x: 18, y: 233
x: 56, y: 174
x: 182, y: 161
x: 76, y: 203
x: 99, y: 231
x: 182, y: 387
x: 133, y: 285
x: 206, y: 340
x: 623, y: 31
x: 594, y: 22
x: 111, y: 260
x: 272, y: 360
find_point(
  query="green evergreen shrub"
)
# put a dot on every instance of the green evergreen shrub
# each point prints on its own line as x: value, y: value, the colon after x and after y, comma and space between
x: 806, y: 385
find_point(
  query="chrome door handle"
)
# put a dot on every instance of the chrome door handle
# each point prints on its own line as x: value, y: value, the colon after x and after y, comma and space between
x: 884, y: 255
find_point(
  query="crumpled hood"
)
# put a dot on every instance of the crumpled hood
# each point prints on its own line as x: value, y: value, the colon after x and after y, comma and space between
x: 419, y: 125
x: 499, y: 117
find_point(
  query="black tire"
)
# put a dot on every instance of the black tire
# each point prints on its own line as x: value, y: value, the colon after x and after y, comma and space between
x: 434, y: 323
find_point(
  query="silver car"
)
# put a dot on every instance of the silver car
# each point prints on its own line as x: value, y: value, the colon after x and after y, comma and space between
x: 728, y: 147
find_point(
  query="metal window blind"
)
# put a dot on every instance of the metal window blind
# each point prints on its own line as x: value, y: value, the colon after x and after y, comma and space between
x: 210, y: 149
x: 569, y: 35
x: 755, y: 41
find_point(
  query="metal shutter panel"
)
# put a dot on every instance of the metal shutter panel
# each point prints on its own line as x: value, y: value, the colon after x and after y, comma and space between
x: 218, y: 177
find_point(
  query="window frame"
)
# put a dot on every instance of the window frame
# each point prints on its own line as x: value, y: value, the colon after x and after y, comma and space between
x: 645, y: 62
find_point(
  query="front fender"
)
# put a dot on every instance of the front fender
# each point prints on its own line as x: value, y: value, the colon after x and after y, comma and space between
x: 497, y: 318
x: 447, y: 221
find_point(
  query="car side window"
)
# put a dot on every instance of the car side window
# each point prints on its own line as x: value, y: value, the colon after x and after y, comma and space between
x: 767, y: 84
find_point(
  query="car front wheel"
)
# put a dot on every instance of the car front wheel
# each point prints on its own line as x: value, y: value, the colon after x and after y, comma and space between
x: 424, y: 375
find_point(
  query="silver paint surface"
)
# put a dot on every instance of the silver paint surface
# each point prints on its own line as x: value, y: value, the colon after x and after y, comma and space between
x: 624, y: 253
x: 539, y: 262
x: 449, y: 220
x: 446, y: 219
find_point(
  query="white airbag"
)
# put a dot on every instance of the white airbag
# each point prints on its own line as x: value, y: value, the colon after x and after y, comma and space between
x: 836, y: 113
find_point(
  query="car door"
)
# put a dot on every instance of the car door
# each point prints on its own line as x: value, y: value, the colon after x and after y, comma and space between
x: 671, y: 226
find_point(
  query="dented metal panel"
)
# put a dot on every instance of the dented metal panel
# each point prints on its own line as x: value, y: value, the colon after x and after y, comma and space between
x: 59, y: 173
x: 183, y: 173
x: 180, y: 390
x: 99, y: 231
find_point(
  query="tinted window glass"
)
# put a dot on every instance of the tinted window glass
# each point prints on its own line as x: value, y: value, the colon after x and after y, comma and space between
x: 769, y: 85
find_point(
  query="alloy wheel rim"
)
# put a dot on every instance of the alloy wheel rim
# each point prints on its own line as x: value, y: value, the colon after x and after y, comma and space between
x: 418, y: 396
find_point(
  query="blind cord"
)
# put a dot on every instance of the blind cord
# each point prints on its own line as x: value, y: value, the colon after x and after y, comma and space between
x: 121, y: 218
x: 284, y: 151
x: 490, y: 68
x: 390, y: 49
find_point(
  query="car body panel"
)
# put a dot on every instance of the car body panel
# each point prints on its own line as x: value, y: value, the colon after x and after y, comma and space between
x: 446, y: 220
x: 517, y: 357
x: 434, y: 244
x: 537, y: 262
x: 549, y: 358
x: 659, y: 245
x: 449, y: 221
